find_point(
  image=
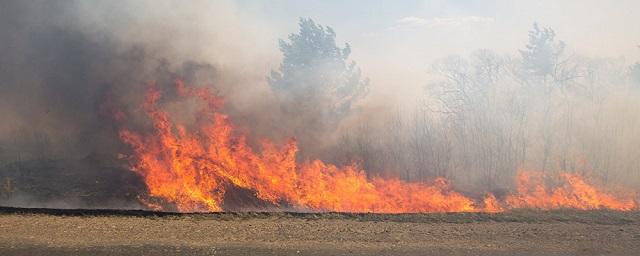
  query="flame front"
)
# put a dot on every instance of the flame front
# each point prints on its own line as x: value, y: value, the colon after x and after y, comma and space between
x: 575, y: 193
x: 192, y: 168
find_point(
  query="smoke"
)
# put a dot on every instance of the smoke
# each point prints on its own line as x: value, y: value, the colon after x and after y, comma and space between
x: 66, y: 65
x: 62, y: 60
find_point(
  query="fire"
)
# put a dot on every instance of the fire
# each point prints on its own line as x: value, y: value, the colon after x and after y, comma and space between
x: 574, y: 193
x: 193, y: 168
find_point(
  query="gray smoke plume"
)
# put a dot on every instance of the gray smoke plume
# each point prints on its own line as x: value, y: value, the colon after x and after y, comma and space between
x: 60, y: 77
x: 479, y: 117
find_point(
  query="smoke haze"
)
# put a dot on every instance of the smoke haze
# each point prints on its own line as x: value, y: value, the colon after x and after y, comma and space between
x: 451, y: 89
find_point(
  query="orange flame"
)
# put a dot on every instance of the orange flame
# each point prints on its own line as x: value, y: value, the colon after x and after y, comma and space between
x: 575, y: 193
x: 193, y: 169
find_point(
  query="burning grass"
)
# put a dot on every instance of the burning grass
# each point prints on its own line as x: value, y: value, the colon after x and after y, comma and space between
x: 189, y: 169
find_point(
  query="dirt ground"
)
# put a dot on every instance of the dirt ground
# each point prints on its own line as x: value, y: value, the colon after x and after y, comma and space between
x: 46, y: 232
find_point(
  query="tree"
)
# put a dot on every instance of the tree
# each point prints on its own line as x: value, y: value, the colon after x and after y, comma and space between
x: 541, y: 58
x: 315, y: 79
x: 549, y: 72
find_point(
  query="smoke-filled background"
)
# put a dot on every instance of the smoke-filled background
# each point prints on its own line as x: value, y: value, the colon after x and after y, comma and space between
x: 468, y: 90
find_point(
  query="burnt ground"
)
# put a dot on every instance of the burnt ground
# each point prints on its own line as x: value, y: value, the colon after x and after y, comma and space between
x: 94, y: 181
x: 100, y: 232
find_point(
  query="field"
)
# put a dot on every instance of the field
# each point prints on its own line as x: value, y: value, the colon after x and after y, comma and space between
x: 100, y: 232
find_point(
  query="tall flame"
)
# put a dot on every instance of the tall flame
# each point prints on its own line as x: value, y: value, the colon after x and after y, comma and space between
x: 192, y: 170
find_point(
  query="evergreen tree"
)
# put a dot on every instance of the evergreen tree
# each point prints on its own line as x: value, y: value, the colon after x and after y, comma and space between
x: 542, y: 54
x: 315, y: 78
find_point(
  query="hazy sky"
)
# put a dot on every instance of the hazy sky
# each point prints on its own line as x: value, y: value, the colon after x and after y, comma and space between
x: 395, y: 42
x: 603, y: 27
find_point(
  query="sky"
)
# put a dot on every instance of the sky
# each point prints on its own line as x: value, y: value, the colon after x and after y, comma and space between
x: 396, y: 42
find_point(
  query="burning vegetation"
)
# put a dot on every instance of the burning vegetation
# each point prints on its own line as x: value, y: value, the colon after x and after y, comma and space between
x: 191, y: 169
x: 221, y: 128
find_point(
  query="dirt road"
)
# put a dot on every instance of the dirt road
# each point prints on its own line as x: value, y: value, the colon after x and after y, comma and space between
x: 27, y: 232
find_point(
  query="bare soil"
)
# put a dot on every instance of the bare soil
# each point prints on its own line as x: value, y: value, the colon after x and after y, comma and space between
x: 100, y: 232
